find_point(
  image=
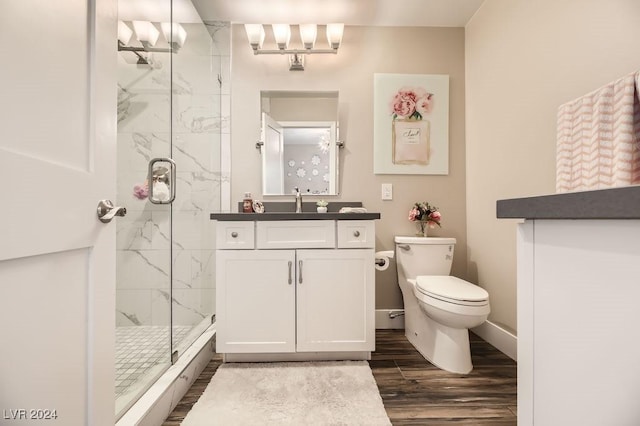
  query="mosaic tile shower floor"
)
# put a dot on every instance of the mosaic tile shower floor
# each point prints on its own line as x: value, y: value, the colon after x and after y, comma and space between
x: 139, y: 349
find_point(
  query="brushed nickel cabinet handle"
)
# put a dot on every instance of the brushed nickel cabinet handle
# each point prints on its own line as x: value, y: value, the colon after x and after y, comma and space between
x: 234, y: 235
x: 356, y: 233
x: 300, y: 271
x: 290, y: 265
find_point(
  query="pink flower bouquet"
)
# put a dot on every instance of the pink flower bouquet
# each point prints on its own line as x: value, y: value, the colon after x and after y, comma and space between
x: 426, y: 216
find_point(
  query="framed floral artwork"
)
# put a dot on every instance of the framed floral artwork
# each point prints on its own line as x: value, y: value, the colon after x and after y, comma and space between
x: 411, y: 124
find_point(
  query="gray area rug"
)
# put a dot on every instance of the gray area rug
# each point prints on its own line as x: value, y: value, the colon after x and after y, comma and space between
x: 290, y: 393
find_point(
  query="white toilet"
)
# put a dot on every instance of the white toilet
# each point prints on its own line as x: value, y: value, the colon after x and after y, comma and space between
x: 439, y: 309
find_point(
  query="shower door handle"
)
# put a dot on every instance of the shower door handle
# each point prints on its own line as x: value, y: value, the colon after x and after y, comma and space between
x: 162, y: 175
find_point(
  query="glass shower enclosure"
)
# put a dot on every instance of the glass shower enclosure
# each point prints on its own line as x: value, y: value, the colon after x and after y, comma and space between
x: 169, y: 112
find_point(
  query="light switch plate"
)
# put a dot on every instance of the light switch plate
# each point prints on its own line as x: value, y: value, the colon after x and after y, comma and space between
x: 387, y: 191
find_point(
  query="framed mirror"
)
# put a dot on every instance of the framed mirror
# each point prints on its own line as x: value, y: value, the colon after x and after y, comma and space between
x: 299, y: 142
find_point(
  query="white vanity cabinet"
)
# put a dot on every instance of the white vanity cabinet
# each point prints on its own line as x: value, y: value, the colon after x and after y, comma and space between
x: 255, y: 301
x: 335, y: 300
x: 295, y: 290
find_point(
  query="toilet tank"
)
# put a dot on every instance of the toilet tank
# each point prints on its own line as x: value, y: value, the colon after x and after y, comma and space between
x: 423, y: 256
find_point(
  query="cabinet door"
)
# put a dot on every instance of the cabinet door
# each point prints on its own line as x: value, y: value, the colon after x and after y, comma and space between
x: 335, y: 300
x: 255, y: 301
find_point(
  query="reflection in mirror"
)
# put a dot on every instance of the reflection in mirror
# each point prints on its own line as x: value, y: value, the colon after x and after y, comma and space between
x: 299, y: 135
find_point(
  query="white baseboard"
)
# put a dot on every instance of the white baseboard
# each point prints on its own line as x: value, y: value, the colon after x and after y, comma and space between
x: 501, y: 339
x: 383, y: 321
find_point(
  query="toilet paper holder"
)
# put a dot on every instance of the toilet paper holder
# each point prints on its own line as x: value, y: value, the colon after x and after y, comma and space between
x: 382, y: 259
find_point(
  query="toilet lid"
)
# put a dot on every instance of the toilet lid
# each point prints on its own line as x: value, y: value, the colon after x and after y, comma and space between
x: 451, y: 288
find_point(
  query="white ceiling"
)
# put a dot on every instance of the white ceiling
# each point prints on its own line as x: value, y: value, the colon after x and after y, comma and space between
x: 431, y: 13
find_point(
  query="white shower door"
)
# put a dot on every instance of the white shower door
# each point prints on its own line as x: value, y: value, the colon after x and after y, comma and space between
x: 57, y: 261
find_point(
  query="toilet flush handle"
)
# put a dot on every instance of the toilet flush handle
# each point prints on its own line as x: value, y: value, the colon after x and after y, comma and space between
x: 404, y: 247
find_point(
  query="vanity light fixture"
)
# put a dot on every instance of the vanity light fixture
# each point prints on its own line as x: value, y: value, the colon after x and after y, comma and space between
x: 175, y: 34
x: 124, y: 33
x: 308, y: 33
x: 282, y: 36
x: 255, y: 33
x: 147, y: 34
x: 334, y: 35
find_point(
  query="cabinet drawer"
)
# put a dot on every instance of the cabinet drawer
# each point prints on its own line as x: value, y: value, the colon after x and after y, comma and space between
x: 356, y: 234
x: 296, y: 234
x: 235, y: 235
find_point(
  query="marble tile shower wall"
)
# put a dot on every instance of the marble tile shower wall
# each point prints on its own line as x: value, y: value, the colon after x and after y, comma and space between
x: 196, y: 119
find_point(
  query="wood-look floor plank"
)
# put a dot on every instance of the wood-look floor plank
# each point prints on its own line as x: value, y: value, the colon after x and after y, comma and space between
x: 415, y: 392
x: 426, y: 395
x: 449, y: 412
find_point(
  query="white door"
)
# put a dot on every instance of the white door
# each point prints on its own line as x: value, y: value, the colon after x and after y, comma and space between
x: 272, y: 156
x: 255, y: 301
x: 335, y: 300
x: 57, y: 261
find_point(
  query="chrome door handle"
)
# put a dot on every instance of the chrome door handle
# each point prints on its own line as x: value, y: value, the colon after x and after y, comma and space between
x: 162, y: 175
x: 290, y: 265
x: 300, y: 271
x: 107, y: 211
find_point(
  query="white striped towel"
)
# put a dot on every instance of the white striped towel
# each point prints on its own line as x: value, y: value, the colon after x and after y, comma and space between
x: 598, y: 143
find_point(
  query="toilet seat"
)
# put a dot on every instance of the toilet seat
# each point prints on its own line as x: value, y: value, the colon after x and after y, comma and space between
x: 452, y: 290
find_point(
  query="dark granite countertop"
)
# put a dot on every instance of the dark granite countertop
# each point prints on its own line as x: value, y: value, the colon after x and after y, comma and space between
x: 283, y: 210
x: 293, y: 216
x: 613, y: 203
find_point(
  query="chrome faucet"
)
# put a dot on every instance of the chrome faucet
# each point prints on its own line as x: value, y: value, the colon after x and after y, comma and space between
x: 298, y: 200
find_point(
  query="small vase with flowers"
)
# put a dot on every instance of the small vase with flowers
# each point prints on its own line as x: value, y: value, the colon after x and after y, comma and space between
x: 426, y: 216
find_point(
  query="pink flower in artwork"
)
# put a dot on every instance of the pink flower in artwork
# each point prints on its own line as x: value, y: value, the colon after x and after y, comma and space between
x: 411, y: 102
x: 403, y: 104
x: 141, y: 191
x: 424, y: 105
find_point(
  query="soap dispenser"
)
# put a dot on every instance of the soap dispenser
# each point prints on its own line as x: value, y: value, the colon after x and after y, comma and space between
x: 247, y: 203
